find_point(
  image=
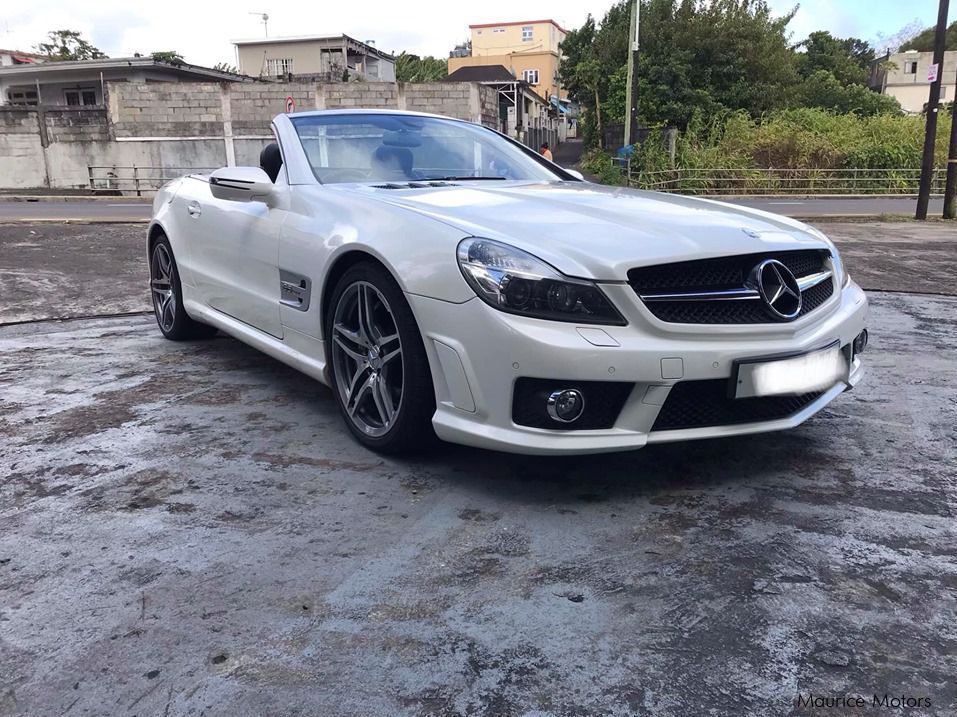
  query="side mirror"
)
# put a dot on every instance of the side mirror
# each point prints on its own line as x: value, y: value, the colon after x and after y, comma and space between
x: 575, y: 173
x: 242, y: 184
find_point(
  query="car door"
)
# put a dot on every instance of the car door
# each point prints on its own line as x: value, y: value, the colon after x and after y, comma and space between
x: 235, y: 252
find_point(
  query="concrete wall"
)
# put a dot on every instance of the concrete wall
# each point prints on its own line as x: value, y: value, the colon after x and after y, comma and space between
x: 165, y: 130
x: 21, y: 152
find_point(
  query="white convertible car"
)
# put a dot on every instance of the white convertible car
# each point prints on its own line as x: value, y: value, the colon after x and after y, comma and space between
x: 445, y: 280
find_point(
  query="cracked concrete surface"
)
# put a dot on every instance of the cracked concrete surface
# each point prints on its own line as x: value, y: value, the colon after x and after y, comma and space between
x: 189, y: 529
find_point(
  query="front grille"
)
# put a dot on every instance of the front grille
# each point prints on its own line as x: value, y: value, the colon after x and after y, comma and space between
x: 603, y: 402
x: 815, y: 296
x: 725, y: 274
x: 698, y: 404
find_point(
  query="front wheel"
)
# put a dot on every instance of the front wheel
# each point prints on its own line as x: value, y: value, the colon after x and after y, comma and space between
x: 380, y: 372
x: 167, y: 293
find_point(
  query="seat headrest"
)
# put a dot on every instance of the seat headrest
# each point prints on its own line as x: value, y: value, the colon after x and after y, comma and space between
x: 270, y: 159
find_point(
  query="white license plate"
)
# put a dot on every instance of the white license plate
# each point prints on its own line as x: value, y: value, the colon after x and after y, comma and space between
x: 794, y: 375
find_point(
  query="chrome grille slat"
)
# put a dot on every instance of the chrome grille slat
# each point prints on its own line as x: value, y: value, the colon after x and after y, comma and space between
x: 806, y: 282
x: 728, y: 295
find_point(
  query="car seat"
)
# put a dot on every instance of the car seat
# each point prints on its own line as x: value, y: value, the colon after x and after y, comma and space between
x: 392, y: 162
x: 270, y: 159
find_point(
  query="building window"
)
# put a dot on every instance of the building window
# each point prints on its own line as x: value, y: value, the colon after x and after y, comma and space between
x: 910, y: 67
x: 527, y: 33
x: 75, y: 98
x: 279, y: 66
x: 530, y: 76
x: 29, y: 97
x: 943, y: 92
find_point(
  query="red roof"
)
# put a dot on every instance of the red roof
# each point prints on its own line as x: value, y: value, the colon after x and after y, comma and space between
x: 523, y: 22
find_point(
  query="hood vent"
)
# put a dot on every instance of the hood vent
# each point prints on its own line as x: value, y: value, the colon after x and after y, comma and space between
x: 413, y: 185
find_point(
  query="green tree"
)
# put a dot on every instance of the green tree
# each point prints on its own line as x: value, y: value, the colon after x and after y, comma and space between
x: 591, y: 76
x: 822, y: 89
x: 68, y: 45
x: 412, y: 68
x: 226, y: 67
x: 576, y: 48
x: 168, y: 56
x: 924, y: 40
x: 711, y: 57
x: 847, y: 59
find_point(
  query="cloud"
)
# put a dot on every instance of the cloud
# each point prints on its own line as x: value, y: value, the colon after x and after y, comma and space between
x: 201, y: 30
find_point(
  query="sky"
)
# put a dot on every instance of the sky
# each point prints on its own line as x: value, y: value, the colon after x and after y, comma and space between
x: 201, y: 30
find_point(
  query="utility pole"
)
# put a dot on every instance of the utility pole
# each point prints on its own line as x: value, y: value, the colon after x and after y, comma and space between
x: 930, y: 135
x: 631, y: 110
x: 950, y: 189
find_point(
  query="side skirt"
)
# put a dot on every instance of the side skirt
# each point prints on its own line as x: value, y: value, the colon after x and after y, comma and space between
x: 279, y: 350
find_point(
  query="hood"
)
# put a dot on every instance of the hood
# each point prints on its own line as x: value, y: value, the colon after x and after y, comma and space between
x: 600, y: 232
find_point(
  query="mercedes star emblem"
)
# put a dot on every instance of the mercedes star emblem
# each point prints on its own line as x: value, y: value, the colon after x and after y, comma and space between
x: 778, y: 288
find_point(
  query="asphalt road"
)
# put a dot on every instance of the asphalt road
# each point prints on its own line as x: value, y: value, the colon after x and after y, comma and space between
x: 100, y: 210
x: 188, y: 528
x: 866, y: 207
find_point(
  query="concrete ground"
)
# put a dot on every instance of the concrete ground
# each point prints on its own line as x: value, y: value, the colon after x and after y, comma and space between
x: 189, y: 529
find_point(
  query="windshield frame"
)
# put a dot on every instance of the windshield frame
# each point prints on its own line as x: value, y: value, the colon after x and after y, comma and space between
x: 299, y: 119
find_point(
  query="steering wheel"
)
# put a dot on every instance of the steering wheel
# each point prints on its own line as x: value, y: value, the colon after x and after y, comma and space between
x: 332, y: 176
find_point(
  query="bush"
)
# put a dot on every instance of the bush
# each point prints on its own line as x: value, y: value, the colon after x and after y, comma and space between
x: 600, y: 164
x: 797, y: 139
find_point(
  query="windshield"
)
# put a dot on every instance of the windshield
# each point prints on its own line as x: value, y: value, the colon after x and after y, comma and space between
x: 403, y: 148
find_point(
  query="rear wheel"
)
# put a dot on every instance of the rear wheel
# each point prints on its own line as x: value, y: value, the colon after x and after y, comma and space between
x: 380, y: 372
x: 167, y: 293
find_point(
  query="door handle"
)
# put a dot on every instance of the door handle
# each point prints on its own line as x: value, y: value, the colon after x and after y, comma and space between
x: 194, y: 209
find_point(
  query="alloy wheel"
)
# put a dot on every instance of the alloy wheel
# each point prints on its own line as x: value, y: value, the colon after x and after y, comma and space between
x: 163, y: 287
x: 367, y: 359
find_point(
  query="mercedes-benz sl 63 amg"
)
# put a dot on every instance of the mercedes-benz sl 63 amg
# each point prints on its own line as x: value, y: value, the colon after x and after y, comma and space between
x: 445, y: 280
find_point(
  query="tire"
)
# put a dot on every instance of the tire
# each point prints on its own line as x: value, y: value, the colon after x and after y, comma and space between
x: 378, y: 366
x: 166, y: 292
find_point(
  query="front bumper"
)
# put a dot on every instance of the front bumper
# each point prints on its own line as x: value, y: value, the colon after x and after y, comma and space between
x: 477, y: 353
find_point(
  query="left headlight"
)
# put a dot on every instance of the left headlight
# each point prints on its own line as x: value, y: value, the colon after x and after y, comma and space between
x: 517, y: 282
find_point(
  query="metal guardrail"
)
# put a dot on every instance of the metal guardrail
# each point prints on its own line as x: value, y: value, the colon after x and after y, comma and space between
x: 782, y: 181
x: 136, y: 179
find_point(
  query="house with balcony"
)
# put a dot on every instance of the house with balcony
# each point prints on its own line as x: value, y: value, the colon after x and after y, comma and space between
x: 528, y: 49
x: 322, y: 57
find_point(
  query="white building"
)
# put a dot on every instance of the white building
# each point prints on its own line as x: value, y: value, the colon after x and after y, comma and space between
x: 907, y: 78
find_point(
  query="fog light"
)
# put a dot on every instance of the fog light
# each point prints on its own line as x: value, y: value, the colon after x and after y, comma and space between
x: 860, y: 343
x: 566, y: 405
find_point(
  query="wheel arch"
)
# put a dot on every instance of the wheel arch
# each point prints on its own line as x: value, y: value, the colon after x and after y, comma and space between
x: 340, y: 265
x: 152, y: 234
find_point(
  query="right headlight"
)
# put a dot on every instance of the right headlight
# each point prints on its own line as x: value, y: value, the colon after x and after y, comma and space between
x: 517, y: 282
x: 842, y: 277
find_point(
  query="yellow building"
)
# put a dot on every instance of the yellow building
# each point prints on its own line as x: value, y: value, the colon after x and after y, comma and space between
x: 529, y: 49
